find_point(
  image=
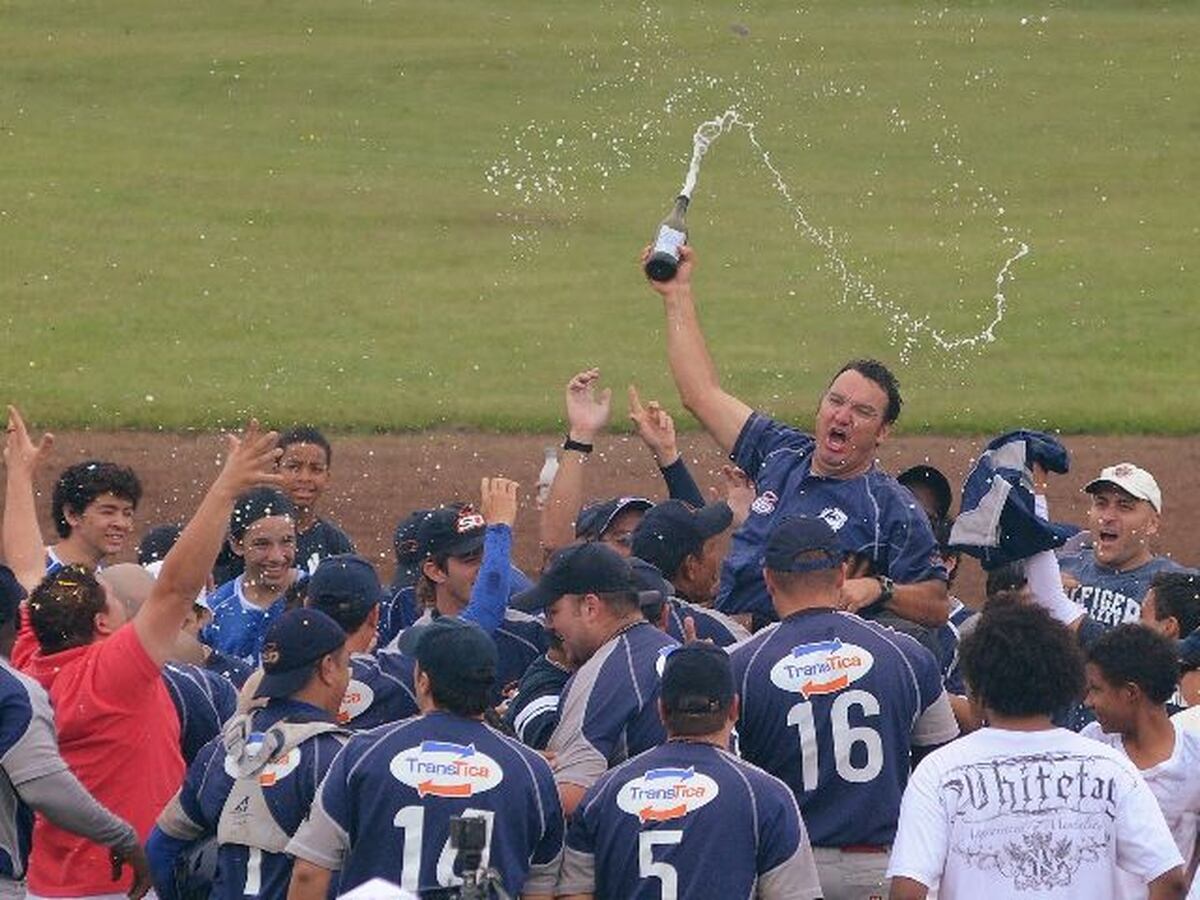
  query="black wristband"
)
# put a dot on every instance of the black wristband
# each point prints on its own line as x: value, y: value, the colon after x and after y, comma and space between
x: 577, y: 446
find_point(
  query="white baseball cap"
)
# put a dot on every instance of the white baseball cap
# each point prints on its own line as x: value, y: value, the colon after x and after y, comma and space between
x: 1133, y: 480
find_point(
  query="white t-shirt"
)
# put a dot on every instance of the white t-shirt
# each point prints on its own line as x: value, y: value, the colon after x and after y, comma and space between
x: 1189, y: 718
x: 1029, y: 813
x: 1175, y: 783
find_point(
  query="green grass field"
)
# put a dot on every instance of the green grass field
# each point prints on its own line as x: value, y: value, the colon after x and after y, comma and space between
x: 213, y: 208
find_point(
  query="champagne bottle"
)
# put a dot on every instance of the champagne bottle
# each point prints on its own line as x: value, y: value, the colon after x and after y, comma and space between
x: 672, y: 234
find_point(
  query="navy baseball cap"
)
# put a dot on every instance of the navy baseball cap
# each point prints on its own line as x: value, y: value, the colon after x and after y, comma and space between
x: 294, y: 643
x: 157, y: 542
x: 672, y: 531
x: 345, y: 585
x: 452, y: 652
x: 11, y: 595
x: 697, y: 678
x: 408, y: 549
x: 454, y: 530
x: 590, y: 568
x: 934, y: 480
x: 802, y: 544
x: 653, y: 589
x: 596, y: 518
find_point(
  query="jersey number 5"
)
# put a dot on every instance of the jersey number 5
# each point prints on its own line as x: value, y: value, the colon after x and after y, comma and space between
x: 664, y: 872
x: 845, y: 736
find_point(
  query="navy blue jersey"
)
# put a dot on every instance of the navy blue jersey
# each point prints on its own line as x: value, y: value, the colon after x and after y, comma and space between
x: 711, y: 625
x: 520, y: 639
x: 289, y: 783
x: 321, y: 540
x: 832, y: 704
x: 532, y: 712
x: 873, y: 514
x: 203, y: 700
x: 384, y: 809
x: 395, y: 614
x: 1111, y: 597
x: 28, y: 750
x: 609, y: 708
x: 238, y: 627
x: 688, y: 820
x: 232, y: 670
x: 948, y: 637
x: 380, y: 692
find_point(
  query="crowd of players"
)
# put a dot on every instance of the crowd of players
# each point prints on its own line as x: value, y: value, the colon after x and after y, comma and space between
x: 247, y: 712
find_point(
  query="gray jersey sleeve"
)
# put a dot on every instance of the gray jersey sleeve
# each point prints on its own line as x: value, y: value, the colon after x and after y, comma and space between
x: 319, y: 839
x: 64, y: 801
x: 176, y: 823
x: 794, y: 879
x: 578, y: 875
x: 577, y: 760
x: 936, y: 725
x: 35, y: 752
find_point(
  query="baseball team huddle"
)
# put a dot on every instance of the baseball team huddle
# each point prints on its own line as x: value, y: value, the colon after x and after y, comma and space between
x: 773, y: 695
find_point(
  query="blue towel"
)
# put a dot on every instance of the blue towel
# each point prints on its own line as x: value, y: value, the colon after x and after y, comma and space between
x: 998, y: 523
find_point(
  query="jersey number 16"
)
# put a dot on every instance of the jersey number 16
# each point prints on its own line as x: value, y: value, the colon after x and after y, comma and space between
x: 845, y: 736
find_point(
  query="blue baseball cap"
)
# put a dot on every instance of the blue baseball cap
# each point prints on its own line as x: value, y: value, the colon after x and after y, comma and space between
x: 596, y: 518
x: 452, y: 651
x: 697, y: 678
x: 295, y: 642
x: 454, y: 530
x: 344, y: 585
x: 408, y: 549
x: 590, y: 568
x: 672, y: 531
x: 802, y: 544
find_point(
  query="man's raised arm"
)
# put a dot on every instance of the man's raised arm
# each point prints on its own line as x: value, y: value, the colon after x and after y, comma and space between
x: 23, y: 547
x: 587, y: 416
x: 251, y: 462
x: 721, y: 414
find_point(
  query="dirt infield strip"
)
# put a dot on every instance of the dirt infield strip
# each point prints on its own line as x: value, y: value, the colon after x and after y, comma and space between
x: 378, y: 478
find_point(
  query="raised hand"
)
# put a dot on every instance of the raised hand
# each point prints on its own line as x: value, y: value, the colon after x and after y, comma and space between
x: 498, y: 501
x: 739, y: 493
x: 251, y: 460
x: 683, y: 275
x: 587, y: 410
x: 19, y: 449
x: 655, y: 427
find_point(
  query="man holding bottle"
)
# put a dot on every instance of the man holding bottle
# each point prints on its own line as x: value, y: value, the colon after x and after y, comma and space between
x: 832, y: 474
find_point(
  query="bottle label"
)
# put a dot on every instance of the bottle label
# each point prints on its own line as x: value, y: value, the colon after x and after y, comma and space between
x: 669, y: 240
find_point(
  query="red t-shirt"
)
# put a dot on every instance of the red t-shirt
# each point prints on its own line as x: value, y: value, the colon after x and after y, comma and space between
x: 119, y: 733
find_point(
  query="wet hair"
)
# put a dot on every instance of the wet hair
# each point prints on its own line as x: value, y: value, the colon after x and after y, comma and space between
x: 690, y: 724
x: 882, y: 376
x: 1134, y: 654
x: 256, y: 504
x: 1018, y: 661
x: 1005, y: 583
x: 157, y: 543
x: 63, y: 608
x: 620, y: 601
x: 79, y: 485
x: 461, y: 699
x: 306, y: 434
x: 1177, y: 596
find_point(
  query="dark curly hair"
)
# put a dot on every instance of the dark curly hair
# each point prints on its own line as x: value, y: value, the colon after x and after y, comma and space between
x: 79, y: 486
x: 1019, y: 661
x: 1177, y: 595
x: 1134, y: 654
x: 63, y: 608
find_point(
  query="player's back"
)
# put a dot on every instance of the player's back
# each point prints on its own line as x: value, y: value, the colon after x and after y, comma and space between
x: 380, y: 691
x: 411, y: 778
x: 830, y: 703
x: 688, y: 820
